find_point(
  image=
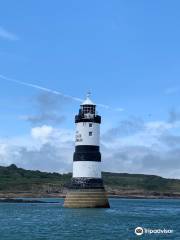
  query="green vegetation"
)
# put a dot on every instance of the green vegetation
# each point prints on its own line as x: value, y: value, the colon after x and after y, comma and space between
x: 14, y: 179
x: 141, y: 182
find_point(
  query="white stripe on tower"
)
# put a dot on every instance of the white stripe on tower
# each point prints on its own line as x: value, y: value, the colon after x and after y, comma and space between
x: 87, y: 169
x: 87, y: 133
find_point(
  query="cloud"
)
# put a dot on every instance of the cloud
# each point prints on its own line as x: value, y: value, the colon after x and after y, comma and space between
x: 141, y: 159
x: 124, y: 128
x: 7, y: 35
x: 48, y: 157
x: 152, y: 148
x: 50, y: 150
x: 170, y: 140
x: 174, y: 116
x: 133, y: 146
x: 48, y: 110
x: 42, y: 133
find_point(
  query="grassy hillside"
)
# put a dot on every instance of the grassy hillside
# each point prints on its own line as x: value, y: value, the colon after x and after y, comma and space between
x: 14, y: 179
x: 141, y: 182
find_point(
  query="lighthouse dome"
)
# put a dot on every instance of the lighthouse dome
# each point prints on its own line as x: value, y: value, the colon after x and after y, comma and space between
x: 88, y: 101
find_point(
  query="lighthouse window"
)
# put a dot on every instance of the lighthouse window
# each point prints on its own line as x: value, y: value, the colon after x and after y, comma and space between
x: 90, y: 124
x: 90, y: 133
x: 88, y: 109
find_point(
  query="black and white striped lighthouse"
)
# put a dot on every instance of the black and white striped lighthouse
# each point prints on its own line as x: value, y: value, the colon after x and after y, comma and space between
x: 87, y: 189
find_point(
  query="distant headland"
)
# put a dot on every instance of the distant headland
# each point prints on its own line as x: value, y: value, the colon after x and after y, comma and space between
x: 17, y: 183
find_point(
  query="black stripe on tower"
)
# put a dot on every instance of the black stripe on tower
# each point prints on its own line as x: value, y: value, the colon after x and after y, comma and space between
x: 87, y: 153
x: 85, y: 183
x: 81, y: 118
x: 87, y: 156
x: 86, y: 148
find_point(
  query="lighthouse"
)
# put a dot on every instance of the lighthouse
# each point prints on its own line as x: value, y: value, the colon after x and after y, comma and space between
x: 86, y: 188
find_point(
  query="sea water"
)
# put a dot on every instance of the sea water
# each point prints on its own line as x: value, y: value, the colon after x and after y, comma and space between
x: 50, y: 221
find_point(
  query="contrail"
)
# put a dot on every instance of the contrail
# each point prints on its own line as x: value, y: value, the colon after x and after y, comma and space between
x: 40, y: 88
x: 54, y: 92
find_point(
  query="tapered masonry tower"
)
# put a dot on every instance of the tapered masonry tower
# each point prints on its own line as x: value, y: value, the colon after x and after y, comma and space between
x: 87, y: 189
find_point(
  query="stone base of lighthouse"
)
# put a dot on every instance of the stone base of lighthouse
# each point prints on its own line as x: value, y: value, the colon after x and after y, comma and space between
x: 86, y: 193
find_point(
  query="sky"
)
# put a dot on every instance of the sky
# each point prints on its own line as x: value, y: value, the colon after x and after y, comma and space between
x: 125, y: 52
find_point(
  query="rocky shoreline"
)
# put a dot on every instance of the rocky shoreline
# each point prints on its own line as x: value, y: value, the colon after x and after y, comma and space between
x: 5, y: 196
x: 17, y: 200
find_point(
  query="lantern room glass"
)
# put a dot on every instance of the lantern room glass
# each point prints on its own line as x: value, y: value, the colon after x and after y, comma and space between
x: 88, y: 109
